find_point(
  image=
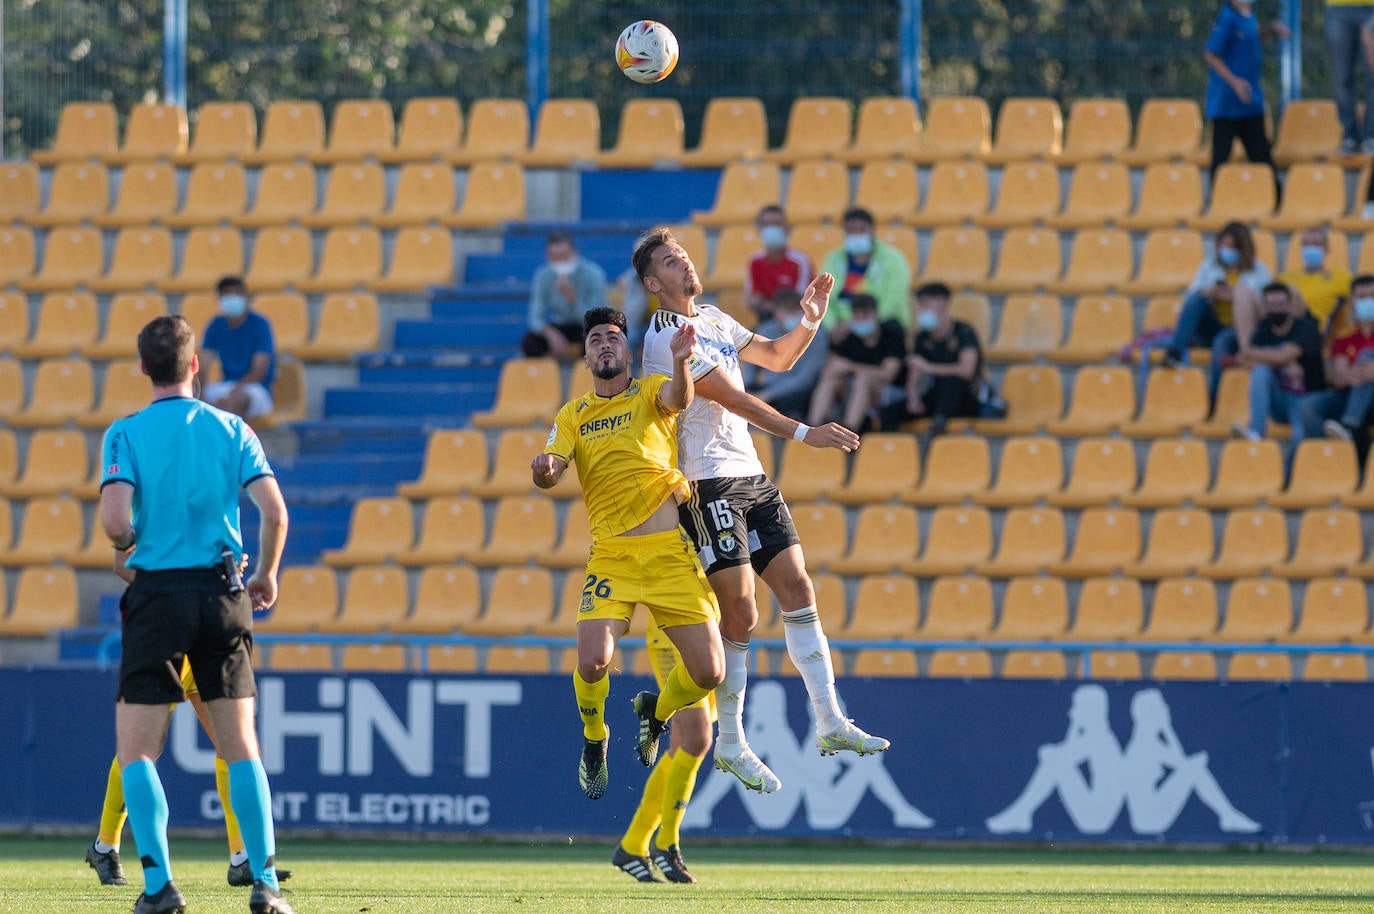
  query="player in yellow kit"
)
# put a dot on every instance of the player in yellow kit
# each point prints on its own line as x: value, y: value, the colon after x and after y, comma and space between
x: 623, y: 438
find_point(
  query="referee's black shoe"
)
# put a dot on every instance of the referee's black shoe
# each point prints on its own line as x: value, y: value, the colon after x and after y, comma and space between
x: 168, y: 900
x: 638, y: 867
x: 106, y: 866
x: 267, y: 900
x: 650, y: 728
x: 241, y: 874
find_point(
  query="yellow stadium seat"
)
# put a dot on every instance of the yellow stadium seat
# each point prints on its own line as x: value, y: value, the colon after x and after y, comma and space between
x: 529, y: 393
x: 821, y: 527
x: 51, y: 530
x: 375, y: 597
x: 80, y: 191
x: 960, y: 257
x: 1112, y: 665
x: 1324, y: 472
x: 1099, y: 195
x: 1167, y: 129
x: 286, y: 194
x: 886, y: 465
x: 11, y: 386
x: 1308, y: 130
x: 1023, y: 664
x: 886, y: 608
x: 67, y: 323
x: 19, y: 192
x: 154, y: 132
x: 298, y: 657
x: 1029, y: 468
x: 1241, y: 192
x: 1361, y: 498
x: 361, y: 129
x: 650, y: 132
x: 1180, y: 542
x: 956, y: 127
x: 816, y: 128
x: 453, y: 529
x: 425, y: 194
x: 1335, y: 667
x: 1103, y: 399
x: 948, y: 663
x: 128, y: 313
x: 354, y: 193
x: 495, y: 193
x: 1333, y: 610
x: 815, y: 240
x: 1184, y: 609
x: 147, y: 195
x: 1109, y: 609
x: 732, y: 130
x: 1175, y: 400
x: 1168, y: 262
x: 1232, y: 406
x: 349, y: 323
x: 957, y: 467
x: 289, y: 316
x: 224, y: 131
x: 876, y: 663
x: 888, y: 190
x: 1028, y: 261
x: 210, y: 253
x: 523, y: 530
x: 576, y: 541
x: 1099, y: 261
x: 959, y: 539
x: 374, y: 658
x: 736, y: 245
x: 1033, y: 609
x: 498, y: 129
x: 1258, y: 609
x: 1176, y: 471
x: 1028, y: 194
x: 1100, y: 326
x: 1249, y: 665
x: 217, y: 193
x: 1103, y: 469
x: 1184, y: 665
x: 1098, y: 128
x: 567, y: 130
x: 807, y: 473
x: 450, y: 658
x: 1031, y: 325
x: 448, y: 597
x: 379, y: 529
x: 56, y: 463
x: 818, y: 191
x: 1330, y: 541
x: 351, y: 259
x: 745, y: 187
x: 1170, y: 196
x: 959, y: 608
x: 420, y: 258
x: 973, y: 309
x: 1253, y: 541
x: 124, y: 392
x: 1313, y: 194
x: 1034, y: 395
x: 9, y: 471
x: 282, y: 258
x: 307, y: 599
x: 454, y: 463
x: 45, y: 600
x: 142, y: 259
x: 85, y: 130
x: 430, y: 127
x: 885, y: 538
x: 888, y: 128
x: 510, y: 469
x: 1107, y: 540
x: 291, y: 131
x: 520, y: 599
x: 62, y: 390
x: 513, y: 660
x: 956, y: 193
x: 1027, y: 128
x: 1033, y: 540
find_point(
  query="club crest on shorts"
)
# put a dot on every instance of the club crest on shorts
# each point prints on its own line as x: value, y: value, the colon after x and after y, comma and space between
x: 726, y: 541
x: 586, y: 605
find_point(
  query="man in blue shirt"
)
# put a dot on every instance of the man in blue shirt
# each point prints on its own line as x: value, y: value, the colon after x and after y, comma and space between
x: 1235, y: 101
x: 243, y: 341
x: 169, y: 499
x: 564, y: 287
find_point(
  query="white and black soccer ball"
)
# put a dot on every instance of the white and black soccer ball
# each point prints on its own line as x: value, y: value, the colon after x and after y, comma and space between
x: 646, y: 51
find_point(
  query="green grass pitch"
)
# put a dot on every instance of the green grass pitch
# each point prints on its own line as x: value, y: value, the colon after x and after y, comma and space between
x: 45, y: 874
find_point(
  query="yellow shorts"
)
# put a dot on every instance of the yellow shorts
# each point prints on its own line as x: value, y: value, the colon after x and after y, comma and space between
x: 663, y: 657
x: 659, y: 570
x: 188, y: 682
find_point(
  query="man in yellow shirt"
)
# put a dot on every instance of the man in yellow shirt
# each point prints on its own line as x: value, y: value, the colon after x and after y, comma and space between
x: 1320, y: 287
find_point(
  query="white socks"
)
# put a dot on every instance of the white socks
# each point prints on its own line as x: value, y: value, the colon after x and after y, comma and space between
x: 810, y: 651
x: 730, y: 695
x: 102, y: 848
x: 238, y: 858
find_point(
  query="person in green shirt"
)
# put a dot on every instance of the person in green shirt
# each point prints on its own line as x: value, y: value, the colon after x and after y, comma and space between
x: 866, y: 265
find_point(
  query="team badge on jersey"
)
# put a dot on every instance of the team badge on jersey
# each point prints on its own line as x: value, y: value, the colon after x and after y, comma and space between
x: 726, y: 541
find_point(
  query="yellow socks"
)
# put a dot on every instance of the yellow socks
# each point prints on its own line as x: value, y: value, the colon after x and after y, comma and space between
x: 636, y: 840
x: 112, y: 814
x: 677, y: 792
x: 591, y: 704
x: 231, y: 821
x: 679, y: 691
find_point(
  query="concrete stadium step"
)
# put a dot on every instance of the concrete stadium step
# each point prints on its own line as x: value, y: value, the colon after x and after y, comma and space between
x: 447, y: 404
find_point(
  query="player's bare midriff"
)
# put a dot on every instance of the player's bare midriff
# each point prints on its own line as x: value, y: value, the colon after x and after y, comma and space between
x: 662, y: 520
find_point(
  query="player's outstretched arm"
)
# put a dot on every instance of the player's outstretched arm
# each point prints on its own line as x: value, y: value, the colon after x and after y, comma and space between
x: 715, y: 386
x: 547, y: 470
x: 677, y: 394
x: 782, y: 353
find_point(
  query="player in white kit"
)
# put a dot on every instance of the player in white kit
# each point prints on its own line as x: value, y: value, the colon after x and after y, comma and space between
x: 735, y: 514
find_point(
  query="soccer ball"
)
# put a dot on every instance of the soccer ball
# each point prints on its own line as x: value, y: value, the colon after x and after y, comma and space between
x: 646, y: 51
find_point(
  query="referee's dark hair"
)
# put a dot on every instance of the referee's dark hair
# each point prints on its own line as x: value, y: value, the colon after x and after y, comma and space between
x: 652, y: 240
x: 598, y: 316
x: 166, y: 346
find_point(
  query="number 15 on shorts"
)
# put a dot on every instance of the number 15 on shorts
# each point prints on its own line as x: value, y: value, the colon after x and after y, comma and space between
x: 599, y: 587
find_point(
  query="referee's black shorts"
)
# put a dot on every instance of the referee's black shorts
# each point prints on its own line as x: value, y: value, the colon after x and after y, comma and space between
x: 185, y: 613
x: 735, y: 520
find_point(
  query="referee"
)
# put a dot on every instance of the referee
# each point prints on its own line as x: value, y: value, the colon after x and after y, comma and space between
x: 169, y: 497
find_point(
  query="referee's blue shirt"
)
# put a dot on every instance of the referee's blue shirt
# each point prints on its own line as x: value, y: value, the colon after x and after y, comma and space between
x: 186, y: 461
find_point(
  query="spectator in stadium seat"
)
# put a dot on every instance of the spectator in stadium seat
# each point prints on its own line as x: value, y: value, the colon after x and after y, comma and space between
x: 868, y: 265
x: 1347, y: 25
x: 1222, y: 302
x: 1352, y: 368
x: 1235, y: 101
x: 1318, y: 287
x: 944, y: 369
x: 865, y: 357
x: 1287, y: 373
x: 242, y: 339
x: 777, y: 266
x: 564, y: 287
x: 789, y: 392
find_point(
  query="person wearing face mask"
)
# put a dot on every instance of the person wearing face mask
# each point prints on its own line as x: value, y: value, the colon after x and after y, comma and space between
x: 865, y: 264
x: 243, y: 341
x: 1352, y: 368
x: 1287, y: 371
x: 862, y: 362
x: 1316, y: 285
x: 1235, y: 101
x: 564, y: 287
x: 777, y: 266
x: 944, y: 368
x: 1221, y: 304
x: 789, y: 392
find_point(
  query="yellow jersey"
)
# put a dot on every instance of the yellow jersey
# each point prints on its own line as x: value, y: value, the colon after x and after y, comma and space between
x: 625, y: 450
x: 1322, y: 290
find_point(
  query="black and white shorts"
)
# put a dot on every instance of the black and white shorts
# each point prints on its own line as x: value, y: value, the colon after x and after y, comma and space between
x: 737, y: 519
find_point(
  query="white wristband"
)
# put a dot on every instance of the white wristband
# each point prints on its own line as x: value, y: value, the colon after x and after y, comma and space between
x: 810, y: 324
x: 800, y: 433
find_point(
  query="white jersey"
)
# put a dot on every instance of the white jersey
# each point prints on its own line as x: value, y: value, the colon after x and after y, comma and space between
x: 712, y: 442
